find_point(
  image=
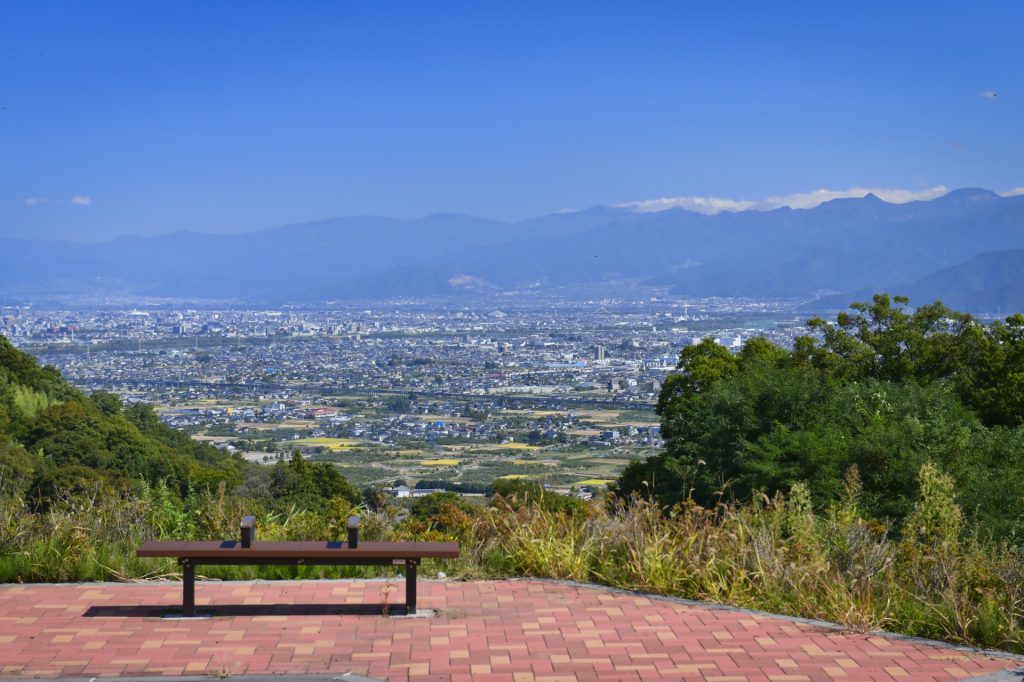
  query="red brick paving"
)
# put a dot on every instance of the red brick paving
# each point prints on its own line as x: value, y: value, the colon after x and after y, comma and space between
x: 511, y: 631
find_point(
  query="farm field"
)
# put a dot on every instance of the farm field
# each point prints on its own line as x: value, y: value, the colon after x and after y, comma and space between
x: 332, y: 444
x: 439, y: 443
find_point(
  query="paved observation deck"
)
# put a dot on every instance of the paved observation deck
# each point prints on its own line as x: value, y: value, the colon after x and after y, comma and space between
x: 514, y: 631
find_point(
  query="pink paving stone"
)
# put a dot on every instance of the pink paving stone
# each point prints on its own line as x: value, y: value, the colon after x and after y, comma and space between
x: 510, y: 630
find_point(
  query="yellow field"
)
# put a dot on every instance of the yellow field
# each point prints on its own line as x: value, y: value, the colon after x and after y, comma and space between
x: 516, y: 446
x: 595, y: 481
x: 332, y: 444
x: 518, y: 476
x: 439, y: 462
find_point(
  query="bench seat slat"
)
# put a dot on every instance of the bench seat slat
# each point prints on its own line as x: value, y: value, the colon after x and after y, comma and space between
x: 310, y: 551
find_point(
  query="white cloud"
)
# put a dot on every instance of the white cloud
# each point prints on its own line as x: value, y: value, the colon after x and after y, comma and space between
x: 988, y: 94
x: 81, y: 201
x: 1015, y: 192
x: 34, y: 201
x: 712, y: 205
x: 708, y: 205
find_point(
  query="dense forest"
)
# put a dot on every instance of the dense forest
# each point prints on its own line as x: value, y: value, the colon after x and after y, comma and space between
x: 881, y: 389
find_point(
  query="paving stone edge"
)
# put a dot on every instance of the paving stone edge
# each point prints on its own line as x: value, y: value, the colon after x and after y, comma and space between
x: 1010, y: 675
x: 992, y: 653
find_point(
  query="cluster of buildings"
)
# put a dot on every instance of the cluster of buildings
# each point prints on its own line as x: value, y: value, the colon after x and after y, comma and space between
x: 423, y: 422
x: 605, y: 350
x: 404, y: 381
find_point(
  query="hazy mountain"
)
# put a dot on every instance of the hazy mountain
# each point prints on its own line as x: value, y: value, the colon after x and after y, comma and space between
x: 991, y: 282
x: 841, y: 245
x: 291, y: 262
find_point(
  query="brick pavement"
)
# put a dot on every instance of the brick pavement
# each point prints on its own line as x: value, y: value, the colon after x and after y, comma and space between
x: 512, y: 631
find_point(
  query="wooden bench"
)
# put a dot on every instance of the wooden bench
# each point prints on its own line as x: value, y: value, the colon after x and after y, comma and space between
x: 250, y: 552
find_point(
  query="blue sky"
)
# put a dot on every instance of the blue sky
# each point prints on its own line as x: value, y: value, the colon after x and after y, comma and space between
x: 149, y: 117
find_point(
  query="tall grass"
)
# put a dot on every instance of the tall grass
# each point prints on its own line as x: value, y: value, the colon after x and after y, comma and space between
x: 932, y: 577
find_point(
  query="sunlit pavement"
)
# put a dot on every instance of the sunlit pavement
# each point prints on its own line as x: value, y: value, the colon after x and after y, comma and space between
x: 517, y: 630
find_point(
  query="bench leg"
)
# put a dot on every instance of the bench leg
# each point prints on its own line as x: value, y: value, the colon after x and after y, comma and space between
x: 410, y: 586
x: 188, y: 589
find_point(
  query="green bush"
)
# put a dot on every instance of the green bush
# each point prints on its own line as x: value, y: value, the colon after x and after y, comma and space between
x: 881, y: 389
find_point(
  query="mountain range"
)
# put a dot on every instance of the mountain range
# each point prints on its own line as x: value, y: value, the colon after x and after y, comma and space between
x: 966, y: 247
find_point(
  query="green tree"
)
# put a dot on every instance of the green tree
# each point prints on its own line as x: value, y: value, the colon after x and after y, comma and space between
x: 297, y: 481
x: 107, y: 403
x: 331, y: 484
x: 436, y: 509
x: 399, y: 404
x: 882, y: 388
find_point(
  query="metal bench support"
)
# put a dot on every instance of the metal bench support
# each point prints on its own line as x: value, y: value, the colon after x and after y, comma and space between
x: 188, y: 589
x: 410, y: 585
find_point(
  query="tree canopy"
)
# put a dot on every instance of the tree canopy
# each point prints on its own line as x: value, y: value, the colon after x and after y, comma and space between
x: 881, y: 388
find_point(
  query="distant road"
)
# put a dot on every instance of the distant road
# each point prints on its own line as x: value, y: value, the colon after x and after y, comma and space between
x: 265, y: 387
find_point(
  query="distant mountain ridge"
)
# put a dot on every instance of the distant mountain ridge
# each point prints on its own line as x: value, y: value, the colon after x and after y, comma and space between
x: 991, y: 282
x: 844, y: 245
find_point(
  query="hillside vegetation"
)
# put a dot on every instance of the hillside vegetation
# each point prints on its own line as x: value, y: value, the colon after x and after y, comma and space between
x: 55, y: 439
x: 881, y: 389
